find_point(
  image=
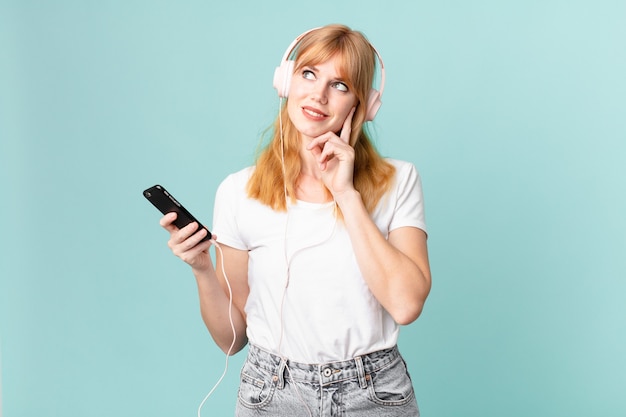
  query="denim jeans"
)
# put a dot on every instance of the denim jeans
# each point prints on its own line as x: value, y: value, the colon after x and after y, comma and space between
x: 376, y: 384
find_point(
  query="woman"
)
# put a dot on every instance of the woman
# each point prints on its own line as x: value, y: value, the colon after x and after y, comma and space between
x: 324, y: 249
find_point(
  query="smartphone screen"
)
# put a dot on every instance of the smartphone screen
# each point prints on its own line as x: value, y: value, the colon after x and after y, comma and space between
x: 166, y: 203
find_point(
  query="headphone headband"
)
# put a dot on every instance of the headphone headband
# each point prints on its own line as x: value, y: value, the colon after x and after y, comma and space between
x: 284, y: 72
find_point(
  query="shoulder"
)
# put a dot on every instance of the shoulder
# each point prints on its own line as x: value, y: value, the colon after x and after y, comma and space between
x: 233, y: 188
x: 400, y: 164
x: 404, y: 205
x: 407, y: 183
x: 405, y: 171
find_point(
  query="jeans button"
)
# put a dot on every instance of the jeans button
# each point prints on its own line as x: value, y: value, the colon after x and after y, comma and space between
x: 327, y: 372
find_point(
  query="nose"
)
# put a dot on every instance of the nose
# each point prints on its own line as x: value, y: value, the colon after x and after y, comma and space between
x: 319, y: 92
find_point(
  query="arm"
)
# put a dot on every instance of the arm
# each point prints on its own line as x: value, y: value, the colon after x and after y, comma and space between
x: 396, y: 269
x: 213, y: 291
x: 215, y: 308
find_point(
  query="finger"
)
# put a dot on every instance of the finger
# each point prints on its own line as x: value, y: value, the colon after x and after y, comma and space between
x: 328, y: 152
x: 190, y: 255
x: 194, y: 239
x: 317, y: 144
x: 346, y: 130
x: 167, y: 221
x: 332, y: 149
x: 179, y: 237
x: 186, y: 239
x: 315, y: 149
x: 188, y: 231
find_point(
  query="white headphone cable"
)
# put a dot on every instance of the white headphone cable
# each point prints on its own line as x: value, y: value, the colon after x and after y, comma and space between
x: 232, y: 326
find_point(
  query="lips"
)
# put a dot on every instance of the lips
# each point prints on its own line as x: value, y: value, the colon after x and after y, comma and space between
x: 313, y: 113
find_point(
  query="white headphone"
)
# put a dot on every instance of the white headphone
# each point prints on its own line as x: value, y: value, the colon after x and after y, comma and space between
x: 284, y: 72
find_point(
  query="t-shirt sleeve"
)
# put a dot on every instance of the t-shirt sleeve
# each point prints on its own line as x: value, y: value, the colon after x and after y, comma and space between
x: 409, y: 207
x: 225, y: 211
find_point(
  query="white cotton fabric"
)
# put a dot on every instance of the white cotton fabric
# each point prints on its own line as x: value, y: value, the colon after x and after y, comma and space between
x: 328, y: 313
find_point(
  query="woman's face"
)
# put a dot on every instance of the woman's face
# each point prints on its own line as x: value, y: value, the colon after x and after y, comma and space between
x: 319, y: 100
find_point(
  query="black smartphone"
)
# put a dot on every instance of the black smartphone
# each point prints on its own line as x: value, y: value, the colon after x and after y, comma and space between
x: 166, y: 203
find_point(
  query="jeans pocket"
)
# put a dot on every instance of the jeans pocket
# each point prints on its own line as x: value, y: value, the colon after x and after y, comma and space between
x: 392, y: 385
x: 256, y: 387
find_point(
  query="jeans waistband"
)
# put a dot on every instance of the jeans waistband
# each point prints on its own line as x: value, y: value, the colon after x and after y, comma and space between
x: 323, y: 373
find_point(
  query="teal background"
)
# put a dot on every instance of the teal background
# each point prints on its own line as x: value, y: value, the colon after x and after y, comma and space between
x: 513, y: 111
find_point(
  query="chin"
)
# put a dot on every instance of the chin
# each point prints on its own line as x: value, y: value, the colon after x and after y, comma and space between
x: 307, y: 130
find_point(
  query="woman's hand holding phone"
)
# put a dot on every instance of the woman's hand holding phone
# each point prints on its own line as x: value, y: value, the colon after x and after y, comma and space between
x: 187, y: 244
x: 189, y: 239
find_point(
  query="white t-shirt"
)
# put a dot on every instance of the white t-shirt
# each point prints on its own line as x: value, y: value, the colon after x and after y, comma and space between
x: 328, y: 311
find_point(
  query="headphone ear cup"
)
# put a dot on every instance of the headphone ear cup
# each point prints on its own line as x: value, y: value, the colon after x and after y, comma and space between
x: 373, y: 104
x: 282, y: 77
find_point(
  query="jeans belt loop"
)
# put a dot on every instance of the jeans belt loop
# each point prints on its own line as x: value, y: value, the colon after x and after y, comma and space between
x: 280, y: 370
x: 361, y: 372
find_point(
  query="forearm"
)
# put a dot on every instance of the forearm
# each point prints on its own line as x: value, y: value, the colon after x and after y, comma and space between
x: 217, y: 309
x: 400, y: 281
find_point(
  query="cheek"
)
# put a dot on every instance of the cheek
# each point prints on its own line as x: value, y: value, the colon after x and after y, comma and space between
x: 296, y: 87
x: 291, y: 108
x: 344, y: 109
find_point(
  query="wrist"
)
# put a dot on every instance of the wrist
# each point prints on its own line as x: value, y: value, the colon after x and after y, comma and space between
x: 202, y: 272
x: 347, y: 198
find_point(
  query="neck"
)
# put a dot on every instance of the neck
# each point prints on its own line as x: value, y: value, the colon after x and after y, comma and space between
x: 312, y: 190
x: 310, y: 187
x: 308, y: 162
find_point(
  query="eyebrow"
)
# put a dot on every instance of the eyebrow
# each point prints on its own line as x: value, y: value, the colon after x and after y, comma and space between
x: 310, y: 67
x: 314, y: 68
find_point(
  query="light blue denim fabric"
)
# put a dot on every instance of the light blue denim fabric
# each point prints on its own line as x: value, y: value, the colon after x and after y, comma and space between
x: 373, y: 385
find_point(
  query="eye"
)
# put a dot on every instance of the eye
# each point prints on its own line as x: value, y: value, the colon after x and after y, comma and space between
x: 308, y: 74
x: 340, y: 86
